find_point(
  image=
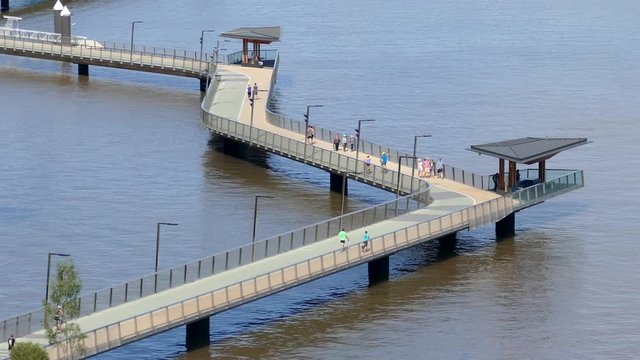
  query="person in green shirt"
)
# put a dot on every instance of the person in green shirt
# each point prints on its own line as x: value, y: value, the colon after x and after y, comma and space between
x: 343, y: 237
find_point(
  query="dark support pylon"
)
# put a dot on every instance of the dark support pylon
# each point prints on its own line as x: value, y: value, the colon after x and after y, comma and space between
x: 4, y: 5
x: 335, y: 184
x: 506, y: 227
x: 198, y: 334
x: 378, y: 270
x: 203, y: 84
x: 83, y: 69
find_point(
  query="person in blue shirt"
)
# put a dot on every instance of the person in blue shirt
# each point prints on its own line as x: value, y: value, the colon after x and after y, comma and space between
x: 383, y: 159
x: 365, y: 241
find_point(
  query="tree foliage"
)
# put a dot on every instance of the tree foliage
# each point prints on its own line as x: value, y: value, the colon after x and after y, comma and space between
x: 65, y: 292
x: 28, y: 351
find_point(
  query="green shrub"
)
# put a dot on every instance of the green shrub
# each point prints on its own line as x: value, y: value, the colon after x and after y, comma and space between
x: 28, y: 351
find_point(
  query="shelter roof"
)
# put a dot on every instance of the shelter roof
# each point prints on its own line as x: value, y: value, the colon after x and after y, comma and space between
x: 265, y: 34
x: 528, y: 150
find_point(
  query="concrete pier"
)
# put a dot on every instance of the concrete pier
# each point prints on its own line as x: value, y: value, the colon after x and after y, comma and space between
x: 378, y: 270
x: 83, y: 69
x: 506, y: 227
x: 335, y: 184
x: 198, y: 334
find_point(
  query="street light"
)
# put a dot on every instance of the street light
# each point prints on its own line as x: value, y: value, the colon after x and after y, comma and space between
x: 158, y: 240
x: 202, y: 40
x: 255, y: 214
x: 306, y: 117
x: 358, y: 137
x: 344, y: 191
x: 415, y: 144
x: 399, y: 168
x: 133, y: 27
x: 218, y: 49
x: 46, y: 294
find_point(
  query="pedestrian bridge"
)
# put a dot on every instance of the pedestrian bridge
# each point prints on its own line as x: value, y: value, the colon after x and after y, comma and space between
x: 191, y: 293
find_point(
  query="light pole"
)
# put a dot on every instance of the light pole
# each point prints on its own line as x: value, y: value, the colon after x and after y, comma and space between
x: 158, y: 240
x: 133, y: 28
x: 344, y: 191
x: 46, y: 293
x: 251, y: 102
x: 413, y: 168
x: 218, y: 49
x: 306, y: 117
x: 202, y: 40
x: 398, y: 182
x: 255, y: 214
x: 358, y: 137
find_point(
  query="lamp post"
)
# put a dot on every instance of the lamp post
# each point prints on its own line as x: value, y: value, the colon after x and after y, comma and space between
x: 358, y: 137
x: 133, y: 28
x: 158, y: 240
x: 415, y: 144
x: 344, y: 191
x: 46, y: 293
x: 398, y: 182
x: 218, y: 49
x: 306, y: 117
x: 202, y: 40
x: 255, y: 214
x: 251, y: 102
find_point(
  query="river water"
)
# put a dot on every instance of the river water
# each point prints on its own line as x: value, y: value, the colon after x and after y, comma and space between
x: 89, y: 165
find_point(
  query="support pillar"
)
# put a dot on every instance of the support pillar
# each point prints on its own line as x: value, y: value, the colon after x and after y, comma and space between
x: 204, y: 83
x: 65, y: 26
x: 542, y: 169
x: 378, y: 270
x: 198, y: 334
x: 335, y: 184
x: 513, y: 176
x: 83, y: 69
x: 501, y: 184
x: 57, y: 19
x: 4, y: 5
x: 506, y: 227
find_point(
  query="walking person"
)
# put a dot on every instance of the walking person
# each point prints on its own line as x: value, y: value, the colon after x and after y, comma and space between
x: 336, y: 142
x: 310, y: 135
x: 249, y: 91
x: 367, y: 164
x: 433, y: 166
x: 365, y: 241
x: 383, y: 160
x: 427, y: 167
x: 352, y: 142
x: 11, y: 342
x: 343, y: 237
x: 255, y: 90
x: 420, y: 166
x: 440, y: 168
x: 344, y: 142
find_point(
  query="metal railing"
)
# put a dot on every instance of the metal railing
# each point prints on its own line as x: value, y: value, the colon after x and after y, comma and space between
x: 38, y: 35
x: 265, y: 56
x: 111, y: 53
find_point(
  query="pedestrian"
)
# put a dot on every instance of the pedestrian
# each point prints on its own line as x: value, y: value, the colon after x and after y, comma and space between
x: 11, y: 342
x: 310, y: 135
x: 440, y: 168
x: 313, y: 133
x: 343, y: 237
x: 249, y: 91
x: 420, y: 165
x: 365, y: 241
x: 336, y: 142
x: 344, y: 142
x: 433, y: 166
x: 255, y: 90
x: 367, y: 164
x: 427, y: 167
x: 352, y: 142
x: 383, y: 160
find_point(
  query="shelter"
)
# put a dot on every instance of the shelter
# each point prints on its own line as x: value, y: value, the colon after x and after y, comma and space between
x: 528, y: 151
x: 257, y: 36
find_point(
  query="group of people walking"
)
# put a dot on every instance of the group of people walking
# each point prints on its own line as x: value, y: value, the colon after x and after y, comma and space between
x: 344, y: 237
x: 347, y: 142
x: 428, y: 167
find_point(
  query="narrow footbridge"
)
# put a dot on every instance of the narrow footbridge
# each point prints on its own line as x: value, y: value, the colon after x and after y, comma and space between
x: 191, y: 293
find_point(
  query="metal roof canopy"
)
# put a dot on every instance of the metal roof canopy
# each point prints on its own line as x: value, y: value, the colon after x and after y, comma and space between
x: 262, y: 34
x: 528, y: 150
